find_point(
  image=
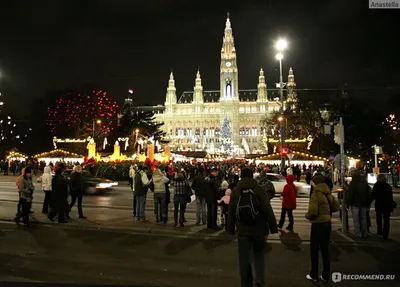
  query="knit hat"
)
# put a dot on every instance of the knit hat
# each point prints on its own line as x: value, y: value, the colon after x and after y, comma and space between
x: 247, y: 173
x: 27, y: 170
x: 318, y: 179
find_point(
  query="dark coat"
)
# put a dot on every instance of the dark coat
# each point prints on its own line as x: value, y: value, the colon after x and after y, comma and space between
x: 266, y: 222
x: 199, y: 185
x: 359, y: 192
x: 383, y: 195
x: 77, y: 183
x: 212, y: 189
x: 59, y: 194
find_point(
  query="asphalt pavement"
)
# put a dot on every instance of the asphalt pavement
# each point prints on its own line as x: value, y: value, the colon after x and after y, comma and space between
x: 56, y: 254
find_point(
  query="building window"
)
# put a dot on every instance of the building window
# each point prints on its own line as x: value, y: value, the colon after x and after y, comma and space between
x: 217, y: 132
x: 247, y: 131
x: 254, y: 132
x: 197, y: 132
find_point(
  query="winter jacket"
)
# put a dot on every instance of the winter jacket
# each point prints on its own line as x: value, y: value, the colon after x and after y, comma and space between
x: 199, y: 185
x: 26, y: 188
x: 47, y: 178
x: 264, y: 224
x: 212, y: 189
x: 59, y: 194
x: 266, y: 184
x: 141, y: 183
x: 382, y: 193
x: 318, y: 208
x: 159, y: 181
x: 77, y: 183
x: 359, y: 192
x: 289, y: 193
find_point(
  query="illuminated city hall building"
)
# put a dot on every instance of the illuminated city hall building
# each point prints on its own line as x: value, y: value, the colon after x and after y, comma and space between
x: 193, y: 122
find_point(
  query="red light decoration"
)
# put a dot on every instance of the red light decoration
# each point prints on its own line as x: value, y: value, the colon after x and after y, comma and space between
x: 74, y: 110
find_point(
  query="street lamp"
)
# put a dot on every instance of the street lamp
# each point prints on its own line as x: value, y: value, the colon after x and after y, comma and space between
x: 98, y: 122
x: 281, y: 45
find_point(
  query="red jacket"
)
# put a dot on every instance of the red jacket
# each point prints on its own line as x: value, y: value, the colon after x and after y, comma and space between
x: 289, y: 193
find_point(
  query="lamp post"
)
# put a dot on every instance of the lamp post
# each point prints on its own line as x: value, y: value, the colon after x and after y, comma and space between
x: 281, y: 46
x: 98, y: 122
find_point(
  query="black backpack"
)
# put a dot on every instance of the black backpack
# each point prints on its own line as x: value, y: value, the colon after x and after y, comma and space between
x: 247, y: 209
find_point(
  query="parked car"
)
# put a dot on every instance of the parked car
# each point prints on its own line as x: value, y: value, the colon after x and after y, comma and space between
x: 279, y: 181
x: 94, y: 185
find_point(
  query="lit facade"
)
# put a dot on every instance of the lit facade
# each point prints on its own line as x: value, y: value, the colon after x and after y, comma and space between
x: 194, y: 120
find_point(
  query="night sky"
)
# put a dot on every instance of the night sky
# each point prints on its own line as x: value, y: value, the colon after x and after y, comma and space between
x: 116, y: 45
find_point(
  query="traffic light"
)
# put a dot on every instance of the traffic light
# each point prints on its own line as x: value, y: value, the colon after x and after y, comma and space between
x: 284, y: 151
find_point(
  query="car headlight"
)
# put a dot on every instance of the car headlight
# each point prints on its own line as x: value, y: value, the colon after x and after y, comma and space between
x: 103, y: 185
x: 114, y: 183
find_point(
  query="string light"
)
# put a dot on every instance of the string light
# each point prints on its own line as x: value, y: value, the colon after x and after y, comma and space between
x: 72, y: 110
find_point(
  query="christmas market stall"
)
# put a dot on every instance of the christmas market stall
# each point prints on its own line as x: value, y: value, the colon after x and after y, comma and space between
x: 59, y: 155
x: 294, y: 157
x: 16, y: 156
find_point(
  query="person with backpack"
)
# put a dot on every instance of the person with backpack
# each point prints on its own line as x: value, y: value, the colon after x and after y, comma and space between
x: 289, y: 194
x: 322, y: 205
x: 251, y: 213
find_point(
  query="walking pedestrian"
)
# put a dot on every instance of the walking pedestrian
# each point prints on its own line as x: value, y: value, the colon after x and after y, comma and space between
x: 46, y: 187
x: 26, y: 188
x: 59, y: 196
x: 322, y: 205
x: 359, y: 195
x: 382, y: 194
x: 289, y: 194
x: 251, y: 213
x: 77, y: 185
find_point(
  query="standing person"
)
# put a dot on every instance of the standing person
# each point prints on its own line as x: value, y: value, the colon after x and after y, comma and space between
x: 19, y: 205
x: 322, y: 205
x: 26, y: 188
x: 199, y: 186
x: 131, y: 175
x: 141, y: 187
x: 59, y: 196
x: 77, y: 185
x: 46, y: 186
x: 160, y: 180
x: 181, y: 186
x: 266, y: 184
x: 359, y: 194
x: 251, y: 213
x: 382, y: 194
x: 224, y: 203
x: 221, y: 193
x: 289, y: 194
x: 211, y: 198
x: 167, y: 195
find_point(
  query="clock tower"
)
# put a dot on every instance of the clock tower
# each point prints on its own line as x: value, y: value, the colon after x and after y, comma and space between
x: 229, y: 90
x: 228, y: 69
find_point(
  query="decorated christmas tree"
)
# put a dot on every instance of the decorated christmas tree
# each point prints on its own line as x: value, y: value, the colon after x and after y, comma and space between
x: 226, y: 135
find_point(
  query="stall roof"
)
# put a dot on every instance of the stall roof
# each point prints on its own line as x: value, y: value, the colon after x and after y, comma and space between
x: 296, y: 156
x: 58, y: 153
x: 193, y: 154
x: 16, y: 154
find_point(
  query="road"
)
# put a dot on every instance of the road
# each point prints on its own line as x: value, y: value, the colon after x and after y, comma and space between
x: 59, y: 254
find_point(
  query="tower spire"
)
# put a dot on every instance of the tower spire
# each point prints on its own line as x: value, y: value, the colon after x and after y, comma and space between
x: 291, y: 86
x: 171, y: 91
x: 198, y: 97
x: 262, y: 95
x: 228, y: 46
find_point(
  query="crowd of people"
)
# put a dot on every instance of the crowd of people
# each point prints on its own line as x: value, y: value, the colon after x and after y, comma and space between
x: 233, y: 195
x: 57, y: 189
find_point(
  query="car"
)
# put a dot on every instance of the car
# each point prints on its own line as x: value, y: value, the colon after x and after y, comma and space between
x: 93, y: 185
x: 279, y: 181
